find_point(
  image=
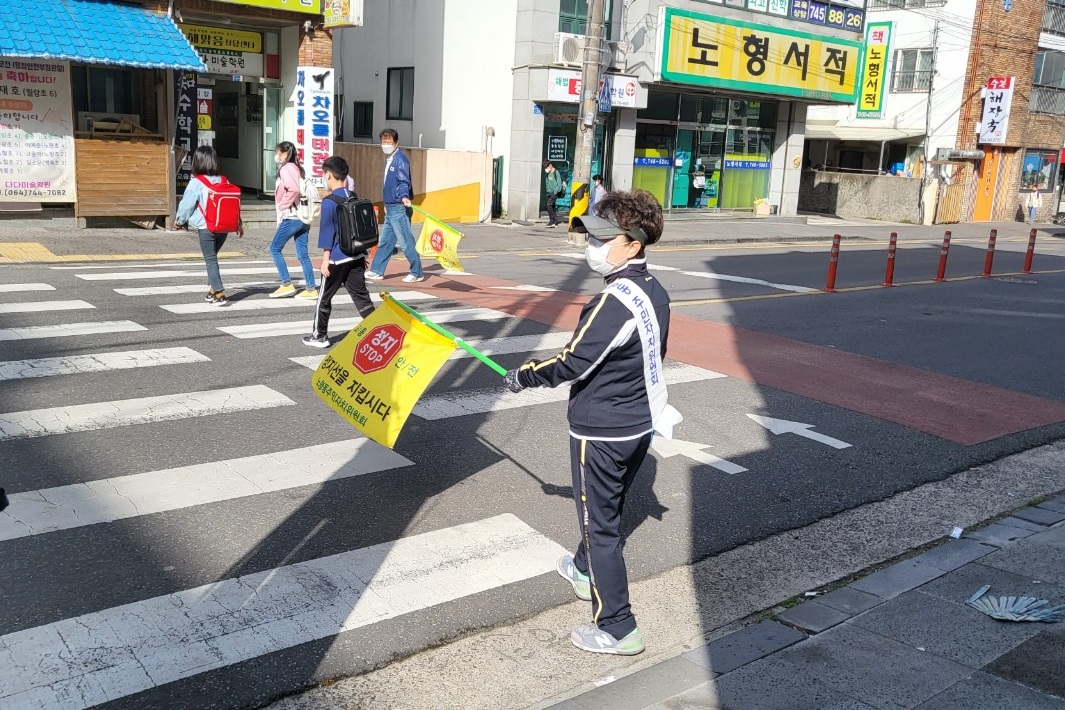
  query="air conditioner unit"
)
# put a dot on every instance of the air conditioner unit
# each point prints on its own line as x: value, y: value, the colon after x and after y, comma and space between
x: 569, y: 51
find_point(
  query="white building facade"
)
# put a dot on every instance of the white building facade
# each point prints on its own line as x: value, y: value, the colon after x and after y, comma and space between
x: 705, y: 101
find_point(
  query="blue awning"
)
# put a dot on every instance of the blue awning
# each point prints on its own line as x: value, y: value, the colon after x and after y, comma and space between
x: 95, y: 32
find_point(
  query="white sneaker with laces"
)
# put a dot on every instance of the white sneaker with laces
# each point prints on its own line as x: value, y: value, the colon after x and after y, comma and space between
x: 412, y: 279
x: 373, y: 276
x: 594, y: 640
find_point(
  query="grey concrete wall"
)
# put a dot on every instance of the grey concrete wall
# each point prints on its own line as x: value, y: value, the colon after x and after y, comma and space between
x: 885, y: 197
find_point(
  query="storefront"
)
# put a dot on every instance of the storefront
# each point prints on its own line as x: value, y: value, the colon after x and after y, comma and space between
x: 559, y: 146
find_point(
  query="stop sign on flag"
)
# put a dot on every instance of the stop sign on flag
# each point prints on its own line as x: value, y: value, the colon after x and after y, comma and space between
x: 378, y: 347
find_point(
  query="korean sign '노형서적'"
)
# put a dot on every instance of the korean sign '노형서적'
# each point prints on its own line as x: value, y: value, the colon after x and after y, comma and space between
x: 707, y: 50
x: 874, y: 70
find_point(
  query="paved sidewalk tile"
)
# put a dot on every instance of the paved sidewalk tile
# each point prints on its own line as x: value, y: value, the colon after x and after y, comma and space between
x: 959, y: 585
x: 998, y: 534
x: 1014, y: 522
x: 744, y: 646
x: 1041, y: 562
x: 986, y: 692
x: 883, y: 673
x: 896, y: 579
x: 813, y: 617
x: 850, y: 600
x: 1040, y: 515
x: 1055, y: 537
x: 951, y: 555
x: 1036, y: 663
x: 950, y: 630
x: 1058, y: 506
x: 767, y: 684
x: 637, y: 691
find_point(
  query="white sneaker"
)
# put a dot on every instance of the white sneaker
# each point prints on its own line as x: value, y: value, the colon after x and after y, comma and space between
x: 412, y: 279
x: 373, y: 276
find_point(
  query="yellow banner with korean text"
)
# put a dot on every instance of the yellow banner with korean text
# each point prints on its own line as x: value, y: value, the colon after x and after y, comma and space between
x: 309, y: 7
x: 874, y: 70
x: 375, y: 375
x: 440, y: 241
x: 220, y: 38
x: 706, y: 50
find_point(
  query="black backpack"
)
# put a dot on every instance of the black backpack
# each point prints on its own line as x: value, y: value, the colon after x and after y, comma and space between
x: 356, y: 224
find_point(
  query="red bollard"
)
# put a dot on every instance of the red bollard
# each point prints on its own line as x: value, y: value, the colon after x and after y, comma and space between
x: 1030, y: 254
x: 990, y: 258
x: 941, y: 272
x: 833, y: 262
x: 889, y: 276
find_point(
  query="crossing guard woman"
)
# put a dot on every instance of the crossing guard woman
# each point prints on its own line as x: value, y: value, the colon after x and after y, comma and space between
x: 617, y: 402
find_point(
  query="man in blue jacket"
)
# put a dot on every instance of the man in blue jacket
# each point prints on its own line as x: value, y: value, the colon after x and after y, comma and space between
x: 338, y: 269
x: 398, y: 194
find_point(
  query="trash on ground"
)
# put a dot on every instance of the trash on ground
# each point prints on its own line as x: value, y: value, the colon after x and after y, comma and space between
x: 956, y: 533
x: 1015, y: 608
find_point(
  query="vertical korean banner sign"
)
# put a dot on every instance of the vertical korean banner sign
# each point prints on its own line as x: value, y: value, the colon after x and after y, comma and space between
x: 996, y: 117
x: 36, y: 131
x: 874, y: 70
x: 314, y: 119
x: 186, y: 126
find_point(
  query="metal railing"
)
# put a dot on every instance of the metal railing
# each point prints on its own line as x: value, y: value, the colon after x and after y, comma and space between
x: 911, y: 81
x: 1054, y: 18
x: 1047, y: 99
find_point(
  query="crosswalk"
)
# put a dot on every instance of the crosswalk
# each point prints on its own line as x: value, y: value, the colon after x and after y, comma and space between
x: 234, y: 433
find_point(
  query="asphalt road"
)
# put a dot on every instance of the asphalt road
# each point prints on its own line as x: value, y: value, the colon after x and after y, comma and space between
x: 132, y: 540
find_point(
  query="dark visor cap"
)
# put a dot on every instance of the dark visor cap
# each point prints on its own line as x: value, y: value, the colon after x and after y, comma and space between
x: 601, y: 228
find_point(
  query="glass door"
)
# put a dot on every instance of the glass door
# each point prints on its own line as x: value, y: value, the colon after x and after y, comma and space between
x: 272, y: 103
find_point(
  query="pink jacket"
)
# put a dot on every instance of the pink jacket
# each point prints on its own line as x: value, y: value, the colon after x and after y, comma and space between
x: 287, y: 192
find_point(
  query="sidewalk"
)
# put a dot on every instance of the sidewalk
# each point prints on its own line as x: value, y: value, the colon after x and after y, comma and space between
x: 131, y: 242
x: 900, y: 637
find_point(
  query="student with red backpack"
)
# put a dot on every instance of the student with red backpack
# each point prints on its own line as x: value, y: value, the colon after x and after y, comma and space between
x: 211, y: 205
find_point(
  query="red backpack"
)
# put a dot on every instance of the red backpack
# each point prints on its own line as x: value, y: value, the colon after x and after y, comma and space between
x: 223, y: 205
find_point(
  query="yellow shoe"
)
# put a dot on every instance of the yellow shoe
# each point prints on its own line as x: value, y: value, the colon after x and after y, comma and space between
x: 309, y: 294
x: 285, y: 291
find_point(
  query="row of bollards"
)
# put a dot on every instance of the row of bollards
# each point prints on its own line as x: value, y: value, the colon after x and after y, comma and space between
x: 941, y: 269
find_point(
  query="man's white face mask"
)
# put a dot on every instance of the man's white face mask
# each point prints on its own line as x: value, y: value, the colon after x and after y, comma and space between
x: 388, y: 148
x: 597, y: 254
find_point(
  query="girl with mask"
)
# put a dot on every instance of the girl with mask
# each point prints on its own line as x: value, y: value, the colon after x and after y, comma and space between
x: 617, y: 402
x: 289, y: 225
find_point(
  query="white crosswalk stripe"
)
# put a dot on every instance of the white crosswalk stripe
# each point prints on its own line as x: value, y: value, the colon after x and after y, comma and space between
x: 171, y: 290
x: 84, y: 661
x: 143, y: 410
x: 161, y: 265
x: 302, y: 327
x: 464, y: 402
x: 19, y: 288
x: 184, y: 274
x: 41, y: 306
x: 68, y: 330
x: 265, y: 304
x: 102, y: 501
x: 100, y: 362
x: 491, y: 346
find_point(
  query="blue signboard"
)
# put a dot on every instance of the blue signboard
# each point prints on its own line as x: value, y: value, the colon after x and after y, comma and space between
x: 652, y: 162
x: 747, y: 164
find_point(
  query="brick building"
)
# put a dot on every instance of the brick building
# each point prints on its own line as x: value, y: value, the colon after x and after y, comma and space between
x: 1026, y: 156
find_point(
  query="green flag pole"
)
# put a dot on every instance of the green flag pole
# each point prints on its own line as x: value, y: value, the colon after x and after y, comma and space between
x: 502, y: 371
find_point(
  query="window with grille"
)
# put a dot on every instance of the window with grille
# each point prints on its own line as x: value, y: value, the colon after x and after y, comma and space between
x: 362, y: 119
x: 912, y: 71
x: 400, y: 99
x: 573, y: 17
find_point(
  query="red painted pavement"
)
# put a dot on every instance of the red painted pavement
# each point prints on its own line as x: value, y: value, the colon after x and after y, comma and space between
x: 954, y: 409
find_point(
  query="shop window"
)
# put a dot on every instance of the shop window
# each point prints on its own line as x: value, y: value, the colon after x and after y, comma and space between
x: 573, y: 17
x: 912, y: 71
x: 100, y: 90
x: 362, y: 119
x: 1038, y: 170
x: 400, y: 98
x: 661, y: 106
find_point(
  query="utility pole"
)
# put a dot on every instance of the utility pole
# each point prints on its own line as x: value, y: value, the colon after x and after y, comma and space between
x: 921, y: 206
x: 588, y: 110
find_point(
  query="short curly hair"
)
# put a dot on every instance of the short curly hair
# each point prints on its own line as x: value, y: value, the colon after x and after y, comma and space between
x: 638, y: 209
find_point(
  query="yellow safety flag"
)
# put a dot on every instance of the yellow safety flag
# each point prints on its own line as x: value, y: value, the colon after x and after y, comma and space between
x: 374, y: 376
x: 440, y: 241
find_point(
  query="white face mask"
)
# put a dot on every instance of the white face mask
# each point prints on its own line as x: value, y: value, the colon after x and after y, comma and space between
x: 388, y: 148
x: 278, y: 159
x: 597, y: 256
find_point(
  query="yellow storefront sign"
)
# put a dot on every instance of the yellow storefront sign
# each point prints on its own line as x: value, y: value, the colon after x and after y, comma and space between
x: 375, y: 375
x: 203, y: 122
x: 310, y: 7
x: 874, y: 71
x: 706, y: 50
x: 218, y: 38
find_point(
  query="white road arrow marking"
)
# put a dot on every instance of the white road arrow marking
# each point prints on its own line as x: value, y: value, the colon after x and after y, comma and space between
x: 676, y: 447
x: 783, y: 426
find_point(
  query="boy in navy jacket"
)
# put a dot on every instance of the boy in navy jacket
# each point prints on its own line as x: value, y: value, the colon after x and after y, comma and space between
x: 337, y: 267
